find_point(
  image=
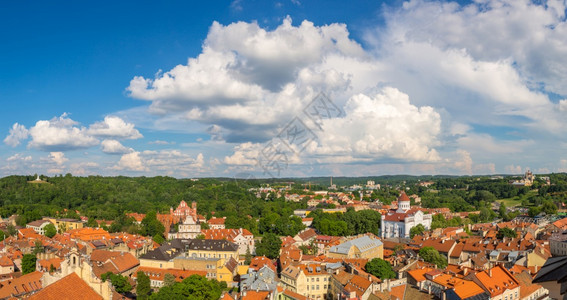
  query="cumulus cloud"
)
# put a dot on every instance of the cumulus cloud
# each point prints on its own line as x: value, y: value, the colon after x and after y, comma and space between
x: 60, y: 134
x: 19, y: 157
x: 385, y: 125
x: 114, y: 147
x: 58, y: 158
x: 17, y: 134
x: 131, y: 162
x: 114, y: 127
x: 168, y: 162
x: 247, y: 79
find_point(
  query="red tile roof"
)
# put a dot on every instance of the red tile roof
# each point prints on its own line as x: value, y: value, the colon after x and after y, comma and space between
x: 22, y: 285
x: 70, y: 287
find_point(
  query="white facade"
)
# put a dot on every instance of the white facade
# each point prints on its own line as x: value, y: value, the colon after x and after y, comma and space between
x: 399, y: 222
x: 188, y: 229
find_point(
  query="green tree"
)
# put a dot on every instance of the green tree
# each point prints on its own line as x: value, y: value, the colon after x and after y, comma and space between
x: 28, y: 263
x: 143, y: 287
x: 248, y: 256
x: 194, y: 287
x: 92, y: 223
x: 506, y: 232
x: 533, y: 211
x: 2, y: 235
x: 269, y: 246
x: 549, y: 208
x: 38, y: 248
x: 431, y: 255
x: 380, y: 268
x: 158, y: 238
x: 168, y: 279
x: 416, y: 230
x: 50, y: 230
x: 119, y: 282
x: 12, y: 231
x: 151, y: 225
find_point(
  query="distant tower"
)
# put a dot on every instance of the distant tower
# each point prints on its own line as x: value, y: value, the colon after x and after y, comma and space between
x: 404, y: 203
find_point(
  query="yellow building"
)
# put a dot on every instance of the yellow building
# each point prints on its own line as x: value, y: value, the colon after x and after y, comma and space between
x: 217, y: 257
x: 310, y: 280
x: 63, y: 225
x: 361, y: 247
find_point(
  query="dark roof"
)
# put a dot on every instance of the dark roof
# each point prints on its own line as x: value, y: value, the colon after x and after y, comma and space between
x: 212, y: 245
x: 554, y: 269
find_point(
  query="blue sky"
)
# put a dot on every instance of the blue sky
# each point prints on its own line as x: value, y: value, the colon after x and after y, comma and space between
x: 190, y: 90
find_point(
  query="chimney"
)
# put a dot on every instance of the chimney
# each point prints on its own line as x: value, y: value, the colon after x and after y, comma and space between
x: 490, y: 272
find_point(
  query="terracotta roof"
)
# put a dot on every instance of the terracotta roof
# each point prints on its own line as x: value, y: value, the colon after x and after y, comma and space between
x: 398, y: 292
x: 260, y: 261
x: 419, y: 274
x: 6, y: 262
x: 112, y: 261
x: 253, y: 295
x: 496, y: 280
x: 307, y: 234
x: 403, y: 197
x: 22, y: 285
x: 69, y: 287
x: 466, y: 288
x: 46, y: 263
x: 216, y: 221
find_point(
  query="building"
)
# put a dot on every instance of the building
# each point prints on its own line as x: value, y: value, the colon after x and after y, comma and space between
x: 499, y: 283
x: 63, y: 225
x: 558, y: 244
x: 311, y: 280
x: 263, y: 279
x: 21, y: 286
x: 361, y: 247
x: 242, y: 237
x: 397, y: 223
x: 346, y: 285
x: 69, y: 287
x: 216, y: 223
x: 183, y: 210
x: 553, y: 277
x: 38, y: 226
x: 188, y: 229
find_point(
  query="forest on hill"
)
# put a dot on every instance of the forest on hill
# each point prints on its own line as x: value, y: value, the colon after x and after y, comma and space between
x: 108, y: 198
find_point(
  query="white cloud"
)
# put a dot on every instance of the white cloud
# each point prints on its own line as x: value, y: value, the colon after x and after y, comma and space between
x: 17, y: 133
x: 114, y: 127
x: 131, y: 162
x: 58, y: 158
x: 60, y: 134
x: 385, y: 125
x: 19, y: 157
x: 114, y: 147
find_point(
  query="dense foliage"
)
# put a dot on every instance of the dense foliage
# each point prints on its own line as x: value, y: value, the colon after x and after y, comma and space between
x: 431, y: 255
x: 50, y: 230
x: 269, y: 246
x: 119, y: 282
x: 416, y: 230
x: 380, y: 268
x: 194, y: 287
x: 28, y: 263
x: 350, y: 223
x: 143, y: 285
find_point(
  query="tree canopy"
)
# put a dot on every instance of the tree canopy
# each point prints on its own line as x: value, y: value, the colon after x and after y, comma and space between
x: 431, y: 255
x: 269, y: 246
x: 380, y: 268
x: 194, y: 287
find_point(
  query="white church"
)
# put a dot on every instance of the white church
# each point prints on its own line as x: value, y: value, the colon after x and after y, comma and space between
x: 397, y: 223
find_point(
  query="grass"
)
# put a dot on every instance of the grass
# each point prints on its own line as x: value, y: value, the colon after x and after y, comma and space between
x: 517, y: 200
